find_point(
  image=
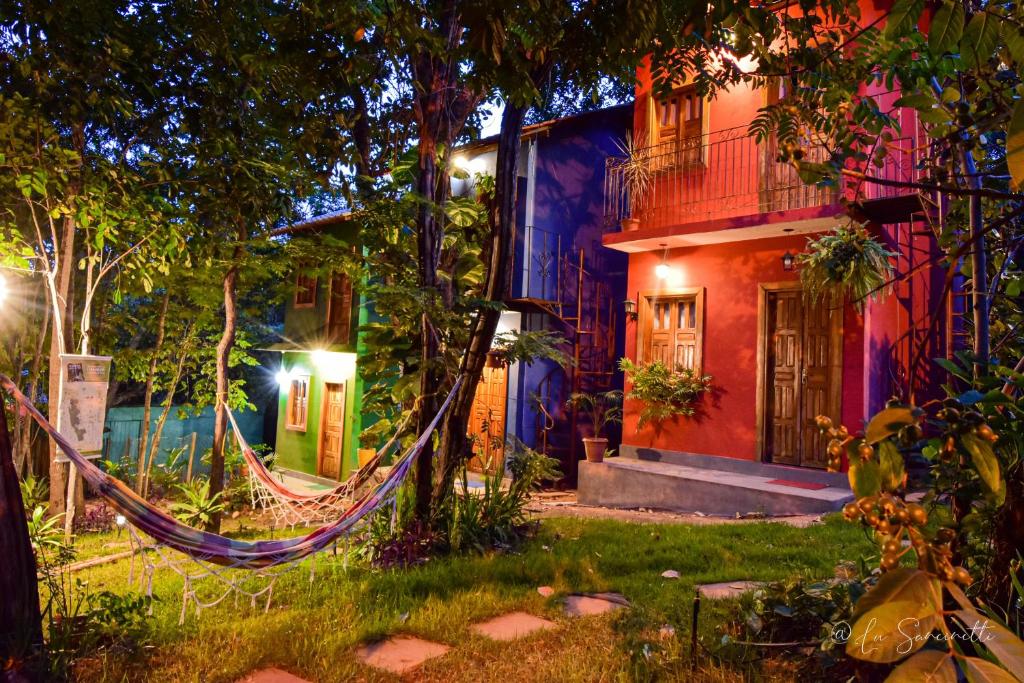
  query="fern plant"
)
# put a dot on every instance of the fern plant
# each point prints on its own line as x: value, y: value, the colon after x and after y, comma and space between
x: 665, y: 393
x: 847, y: 262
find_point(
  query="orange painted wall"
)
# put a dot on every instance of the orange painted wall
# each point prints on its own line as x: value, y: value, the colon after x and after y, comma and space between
x: 730, y: 274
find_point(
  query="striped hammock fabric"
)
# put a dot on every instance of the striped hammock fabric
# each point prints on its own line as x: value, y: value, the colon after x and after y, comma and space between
x: 213, y: 548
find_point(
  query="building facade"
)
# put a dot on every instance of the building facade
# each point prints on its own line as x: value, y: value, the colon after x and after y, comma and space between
x: 564, y: 281
x: 710, y: 242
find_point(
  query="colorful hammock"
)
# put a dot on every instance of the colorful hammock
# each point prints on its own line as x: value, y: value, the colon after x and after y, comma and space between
x: 213, y: 548
x: 290, y: 507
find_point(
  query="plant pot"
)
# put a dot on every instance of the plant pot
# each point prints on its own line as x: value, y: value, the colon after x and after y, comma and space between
x: 629, y: 224
x: 595, y: 446
x: 365, y: 455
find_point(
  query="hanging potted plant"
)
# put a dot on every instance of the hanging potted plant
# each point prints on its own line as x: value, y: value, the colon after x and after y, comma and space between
x: 635, y: 167
x: 665, y: 393
x: 602, y: 409
x: 846, y: 263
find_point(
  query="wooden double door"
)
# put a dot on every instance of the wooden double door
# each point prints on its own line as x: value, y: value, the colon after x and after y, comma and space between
x: 802, y: 375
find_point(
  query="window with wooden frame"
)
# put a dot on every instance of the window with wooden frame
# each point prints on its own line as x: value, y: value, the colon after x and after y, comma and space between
x: 305, y: 289
x: 671, y: 327
x: 297, y: 410
x: 339, y: 309
x: 679, y: 128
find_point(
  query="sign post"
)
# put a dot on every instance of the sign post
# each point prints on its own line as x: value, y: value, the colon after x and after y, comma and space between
x: 82, y: 414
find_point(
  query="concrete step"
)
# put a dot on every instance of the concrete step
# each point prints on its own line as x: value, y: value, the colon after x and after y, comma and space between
x: 711, y: 462
x: 630, y: 483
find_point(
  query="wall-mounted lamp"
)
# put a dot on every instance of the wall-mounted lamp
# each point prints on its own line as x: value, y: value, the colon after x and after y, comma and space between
x: 788, y: 261
x: 629, y: 306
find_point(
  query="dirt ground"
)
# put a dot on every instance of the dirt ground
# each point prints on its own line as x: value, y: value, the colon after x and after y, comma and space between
x: 563, y: 504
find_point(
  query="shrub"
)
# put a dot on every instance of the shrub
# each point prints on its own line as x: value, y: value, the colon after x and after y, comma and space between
x: 665, y: 394
x: 198, y: 507
x: 35, y: 491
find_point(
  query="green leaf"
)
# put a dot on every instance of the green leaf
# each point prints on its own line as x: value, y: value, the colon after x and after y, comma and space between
x: 902, y: 583
x: 922, y: 101
x: 930, y: 666
x: 903, y: 17
x: 865, y: 477
x: 984, y: 459
x: 1014, y: 40
x: 1000, y: 641
x: 887, y: 422
x: 981, y: 671
x: 1015, y: 146
x: 890, y: 462
x: 979, y: 39
x: 892, y: 630
x: 947, y: 27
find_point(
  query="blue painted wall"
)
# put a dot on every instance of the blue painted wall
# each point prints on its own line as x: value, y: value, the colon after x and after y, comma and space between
x: 568, y: 215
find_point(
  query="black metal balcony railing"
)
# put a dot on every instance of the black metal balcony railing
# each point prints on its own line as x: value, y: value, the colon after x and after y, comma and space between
x: 725, y: 174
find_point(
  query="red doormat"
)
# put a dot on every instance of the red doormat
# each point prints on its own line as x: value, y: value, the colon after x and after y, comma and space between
x: 799, y: 484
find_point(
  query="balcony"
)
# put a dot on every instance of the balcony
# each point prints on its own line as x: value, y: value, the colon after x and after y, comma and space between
x: 722, y: 187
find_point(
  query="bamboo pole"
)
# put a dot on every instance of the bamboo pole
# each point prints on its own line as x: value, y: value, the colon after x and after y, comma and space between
x: 191, y: 455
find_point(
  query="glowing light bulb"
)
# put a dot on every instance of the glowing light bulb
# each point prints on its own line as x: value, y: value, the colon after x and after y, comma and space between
x: 283, y: 377
x: 662, y: 271
x: 320, y: 357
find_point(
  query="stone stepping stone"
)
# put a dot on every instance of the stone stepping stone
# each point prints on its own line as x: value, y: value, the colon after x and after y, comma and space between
x: 399, y: 653
x: 727, y: 589
x: 511, y: 626
x: 272, y: 675
x: 583, y: 604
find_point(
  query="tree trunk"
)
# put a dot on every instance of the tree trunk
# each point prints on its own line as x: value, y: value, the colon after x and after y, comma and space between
x: 147, y: 402
x: 58, y: 343
x: 154, y: 449
x: 227, y: 341
x: 21, y: 633
x: 32, y: 391
x: 454, y: 447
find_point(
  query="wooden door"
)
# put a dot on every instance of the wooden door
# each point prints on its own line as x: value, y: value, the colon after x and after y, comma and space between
x: 802, y: 374
x: 487, y: 422
x: 332, y: 430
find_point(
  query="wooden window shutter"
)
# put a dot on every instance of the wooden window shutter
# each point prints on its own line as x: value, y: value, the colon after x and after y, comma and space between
x: 672, y: 330
x: 339, y: 315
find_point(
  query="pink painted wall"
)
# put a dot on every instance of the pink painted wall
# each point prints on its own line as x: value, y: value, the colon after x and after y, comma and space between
x: 730, y: 274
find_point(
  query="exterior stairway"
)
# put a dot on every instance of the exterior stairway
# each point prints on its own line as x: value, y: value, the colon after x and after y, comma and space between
x: 684, y: 482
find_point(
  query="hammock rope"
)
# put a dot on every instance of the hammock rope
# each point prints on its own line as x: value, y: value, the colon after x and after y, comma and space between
x: 291, y: 508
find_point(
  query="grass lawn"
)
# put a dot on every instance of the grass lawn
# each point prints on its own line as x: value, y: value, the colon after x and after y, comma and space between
x: 313, y: 628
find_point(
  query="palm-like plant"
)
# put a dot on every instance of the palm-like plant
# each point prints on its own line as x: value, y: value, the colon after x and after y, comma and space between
x: 603, y: 408
x: 198, y: 507
x: 635, y: 167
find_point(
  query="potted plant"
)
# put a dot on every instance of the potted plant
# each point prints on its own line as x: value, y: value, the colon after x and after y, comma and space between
x: 846, y: 262
x: 635, y: 167
x: 602, y: 409
x: 368, y: 440
x: 666, y: 393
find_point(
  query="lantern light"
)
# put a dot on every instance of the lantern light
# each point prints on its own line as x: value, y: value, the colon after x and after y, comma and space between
x: 788, y: 261
x: 629, y: 306
x: 283, y: 377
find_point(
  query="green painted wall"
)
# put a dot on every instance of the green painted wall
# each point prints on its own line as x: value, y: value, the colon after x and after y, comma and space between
x: 297, y: 450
